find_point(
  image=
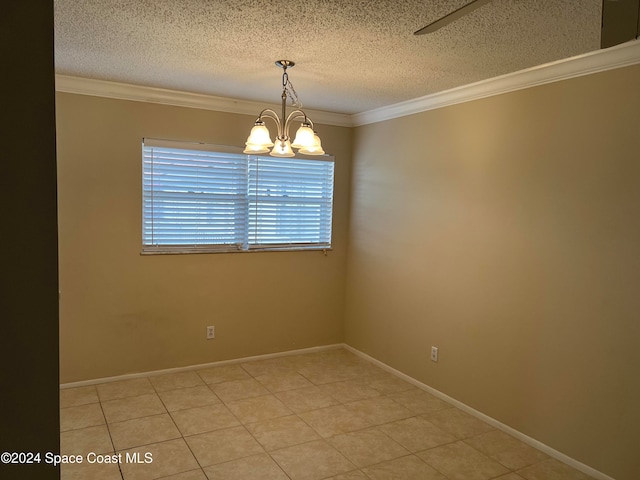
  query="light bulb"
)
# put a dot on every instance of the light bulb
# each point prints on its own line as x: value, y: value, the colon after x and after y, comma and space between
x: 282, y: 149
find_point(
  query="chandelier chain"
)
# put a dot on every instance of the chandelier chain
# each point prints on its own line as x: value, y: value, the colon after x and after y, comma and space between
x: 290, y: 91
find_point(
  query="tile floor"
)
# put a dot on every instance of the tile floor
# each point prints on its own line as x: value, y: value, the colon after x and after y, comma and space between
x: 324, y: 415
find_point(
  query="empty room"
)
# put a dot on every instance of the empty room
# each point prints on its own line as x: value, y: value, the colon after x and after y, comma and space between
x: 314, y: 240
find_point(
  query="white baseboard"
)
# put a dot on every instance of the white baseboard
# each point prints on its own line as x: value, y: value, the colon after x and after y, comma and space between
x: 491, y: 421
x: 266, y: 356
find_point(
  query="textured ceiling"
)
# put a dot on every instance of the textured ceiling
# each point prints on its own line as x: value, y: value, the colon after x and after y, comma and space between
x: 351, y: 56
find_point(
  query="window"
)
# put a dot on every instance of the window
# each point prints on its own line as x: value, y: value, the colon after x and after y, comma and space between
x: 206, y: 198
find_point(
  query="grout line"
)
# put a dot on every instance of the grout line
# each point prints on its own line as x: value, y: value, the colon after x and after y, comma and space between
x: 192, y: 453
x: 106, y: 424
x: 586, y: 469
x: 380, y: 395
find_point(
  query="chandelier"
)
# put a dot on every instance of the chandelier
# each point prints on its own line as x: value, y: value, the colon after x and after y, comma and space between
x: 306, y: 141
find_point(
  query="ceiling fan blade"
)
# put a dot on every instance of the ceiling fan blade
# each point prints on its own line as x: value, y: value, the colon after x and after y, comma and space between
x: 447, y: 19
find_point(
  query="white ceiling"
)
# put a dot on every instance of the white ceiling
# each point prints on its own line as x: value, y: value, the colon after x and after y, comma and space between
x: 351, y: 56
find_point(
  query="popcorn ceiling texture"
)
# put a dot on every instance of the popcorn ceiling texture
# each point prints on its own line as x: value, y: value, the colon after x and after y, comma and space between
x: 351, y: 56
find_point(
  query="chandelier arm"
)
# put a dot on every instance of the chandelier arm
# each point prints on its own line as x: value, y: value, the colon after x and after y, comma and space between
x: 296, y: 115
x: 268, y: 113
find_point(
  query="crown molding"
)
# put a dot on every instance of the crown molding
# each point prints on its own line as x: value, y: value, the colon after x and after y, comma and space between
x: 593, y: 62
x: 139, y: 93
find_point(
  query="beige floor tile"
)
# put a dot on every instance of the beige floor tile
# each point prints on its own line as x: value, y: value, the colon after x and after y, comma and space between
x: 191, y: 397
x: 335, y: 354
x: 379, y: 410
x: 72, y: 397
x: 256, y: 467
x: 143, y: 431
x: 322, y: 374
x: 191, y: 475
x: 349, y: 391
x: 368, y: 370
x: 81, y: 416
x: 270, y: 366
x: 238, y: 389
x: 132, y: 407
x: 416, y: 434
x: 282, y: 432
x: 93, y: 471
x: 509, y: 451
x: 296, y: 362
x: 157, y: 460
x: 459, y: 461
x: 305, y: 399
x: 312, y: 461
x: 419, y: 402
x: 552, y: 469
x: 405, y: 468
x: 367, y: 447
x: 324, y: 415
x: 124, y: 388
x: 334, y: 420
x: 225, y: 373
x: 85, y: 440
x: 458, y: 423
x: 386, y: 383
x: 204, y: 419
x: 223, y: 445
x: 172, y: 381
x: 257, y: 409
x: 341, y: 357
x: 280, y: 382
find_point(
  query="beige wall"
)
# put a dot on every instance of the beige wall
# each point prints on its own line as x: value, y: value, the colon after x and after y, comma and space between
x: 121, y: 312
x: 506, y: 231
x: 508, y: 238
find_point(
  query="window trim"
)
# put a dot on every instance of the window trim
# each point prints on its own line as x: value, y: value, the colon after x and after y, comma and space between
x: 227, y: 248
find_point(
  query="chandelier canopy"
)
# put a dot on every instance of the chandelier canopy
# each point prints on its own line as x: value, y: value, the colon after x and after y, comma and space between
x: 306, y: 140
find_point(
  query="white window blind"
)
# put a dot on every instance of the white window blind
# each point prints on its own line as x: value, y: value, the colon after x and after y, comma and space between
x: 198, y: 199
x: 290, y: 201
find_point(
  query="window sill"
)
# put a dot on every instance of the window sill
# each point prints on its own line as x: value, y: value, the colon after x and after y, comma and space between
x: 191, y: 251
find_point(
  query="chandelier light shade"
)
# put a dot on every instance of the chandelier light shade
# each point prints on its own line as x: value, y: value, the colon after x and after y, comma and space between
x: 282, y: 149
x: 260, y: 136
x: 315, y: 149
x: 306, y: 140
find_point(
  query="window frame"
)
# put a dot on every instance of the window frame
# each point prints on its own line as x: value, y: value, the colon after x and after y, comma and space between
x: 246, y: 246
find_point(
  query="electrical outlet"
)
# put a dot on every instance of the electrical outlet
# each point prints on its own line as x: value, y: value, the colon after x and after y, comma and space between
x: 211, y: 332
x: 434, y: 354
